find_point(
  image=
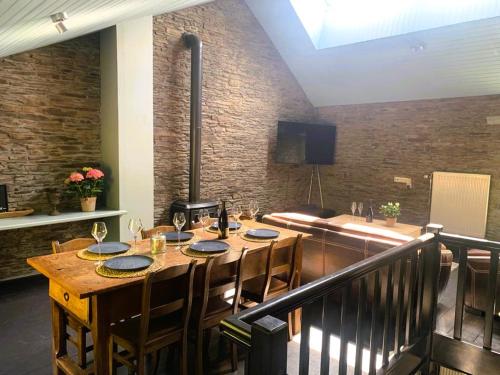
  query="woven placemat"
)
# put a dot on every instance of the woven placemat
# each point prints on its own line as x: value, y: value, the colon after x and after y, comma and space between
x: 198, y: 254
x: 241, y: 230
x: 184, y: 243
x: 252, y: 239
x: 106, y: 272
x: 87, y: 255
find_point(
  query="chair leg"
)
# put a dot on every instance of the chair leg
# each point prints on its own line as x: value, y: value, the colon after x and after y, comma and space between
x: 155, y: 359
x: 141, y: 364
x: 183, y: 357
x: 199, y: 352
x: 234, y: 357
x: 290, y: 328
x: 82, y: 347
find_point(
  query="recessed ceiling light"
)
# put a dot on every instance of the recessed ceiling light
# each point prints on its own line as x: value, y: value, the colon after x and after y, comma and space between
x: 58, y: 20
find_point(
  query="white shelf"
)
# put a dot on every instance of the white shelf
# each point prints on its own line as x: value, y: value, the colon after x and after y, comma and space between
x: 38, y: 220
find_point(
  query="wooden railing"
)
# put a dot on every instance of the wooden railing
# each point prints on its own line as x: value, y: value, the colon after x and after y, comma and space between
x: 386, y: 304
x: 453, y: 352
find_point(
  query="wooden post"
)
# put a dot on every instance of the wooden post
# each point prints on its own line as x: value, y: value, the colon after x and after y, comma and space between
x: 268, y: 354
x: 432, y: 266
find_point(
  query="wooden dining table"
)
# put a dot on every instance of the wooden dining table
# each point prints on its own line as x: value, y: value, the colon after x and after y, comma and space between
x: 99, y: 301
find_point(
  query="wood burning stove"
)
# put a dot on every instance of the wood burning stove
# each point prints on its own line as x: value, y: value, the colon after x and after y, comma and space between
x: 194, y: 205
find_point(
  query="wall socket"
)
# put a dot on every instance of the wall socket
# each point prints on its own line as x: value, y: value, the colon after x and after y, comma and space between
x: 404, y: 180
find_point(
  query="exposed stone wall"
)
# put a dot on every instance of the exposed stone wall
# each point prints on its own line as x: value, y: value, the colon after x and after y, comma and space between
x: 49, y: 125
x: 247, y: 88
x: 376, y: 142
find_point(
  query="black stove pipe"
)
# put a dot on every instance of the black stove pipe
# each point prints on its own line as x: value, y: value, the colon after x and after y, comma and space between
x: 193, y: 41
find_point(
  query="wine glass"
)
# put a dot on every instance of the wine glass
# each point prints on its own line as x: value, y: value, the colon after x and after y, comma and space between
x: 353, y: 208
x: 204, y: 218
x: 179, y: 221
x: 237, y: 212
x: 253, y: 207
x: 99, y: 232
x: 135, y: 226
x: 232, y: 219
x: 360, y: 208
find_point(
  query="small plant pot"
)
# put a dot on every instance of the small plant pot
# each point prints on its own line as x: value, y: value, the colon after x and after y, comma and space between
x: 88, y: 204
x: 391, y: 221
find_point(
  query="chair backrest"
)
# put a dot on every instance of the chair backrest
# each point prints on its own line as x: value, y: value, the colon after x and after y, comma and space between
x: 221, y: 274
x: 167, y: 292
x: 72, y: 245
x: 148, y: 233
x: 281, y: 259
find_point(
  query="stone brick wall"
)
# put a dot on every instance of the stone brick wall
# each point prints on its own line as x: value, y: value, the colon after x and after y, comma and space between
x: 247, y: 88
x: 376, y: 142
x: 49, y: 125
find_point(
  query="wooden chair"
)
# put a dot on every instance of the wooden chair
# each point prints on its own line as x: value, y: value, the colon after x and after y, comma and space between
x: 79, y: 339
x: 72, y: 245
x: 279, y: 275
x: 166, y: 308
x: 148, y: 233
x: 220, y: 275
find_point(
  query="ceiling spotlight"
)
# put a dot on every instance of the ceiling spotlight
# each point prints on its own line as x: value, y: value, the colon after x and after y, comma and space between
x: 58, y: 20
x: 418, y: 47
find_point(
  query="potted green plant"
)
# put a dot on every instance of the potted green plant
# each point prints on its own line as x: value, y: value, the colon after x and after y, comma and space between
x: 391, y: 211
x: 86, y: 184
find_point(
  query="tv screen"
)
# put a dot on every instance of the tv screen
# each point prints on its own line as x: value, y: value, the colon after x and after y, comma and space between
x: 302, y: 143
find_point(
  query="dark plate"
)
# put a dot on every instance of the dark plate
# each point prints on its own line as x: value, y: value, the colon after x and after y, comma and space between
x: 209, y: 246
x: 232, y: 225
x: 128, y: 263
x: 109, y: 248
x: 262, y: 233
x: 183, y: 236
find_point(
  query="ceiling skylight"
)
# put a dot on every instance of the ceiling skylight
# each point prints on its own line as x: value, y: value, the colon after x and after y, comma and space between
x: 332, y: 23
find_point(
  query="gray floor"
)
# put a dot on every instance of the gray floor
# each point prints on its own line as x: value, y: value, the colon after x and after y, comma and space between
x: 25, y: 341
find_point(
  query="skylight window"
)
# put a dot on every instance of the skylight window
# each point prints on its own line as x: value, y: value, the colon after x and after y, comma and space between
x: 332, y: 23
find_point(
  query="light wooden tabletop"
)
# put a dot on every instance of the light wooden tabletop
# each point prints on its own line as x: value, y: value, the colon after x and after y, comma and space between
x: 400, y: 231
x: 78, y: 276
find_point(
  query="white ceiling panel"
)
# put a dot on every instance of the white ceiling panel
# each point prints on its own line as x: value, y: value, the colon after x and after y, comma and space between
x: 453, y: 61
x: 26, y: 24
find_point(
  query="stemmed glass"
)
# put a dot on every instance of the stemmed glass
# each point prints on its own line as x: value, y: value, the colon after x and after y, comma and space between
x: 204, y: 218
x: 360, y: 208
x: 179, y: 221
x: 135, y: 226
x: 232, y: 219
x: 253, y: 207
x: 353, y: 208
x: 99, y: 232
x: 237, y: 212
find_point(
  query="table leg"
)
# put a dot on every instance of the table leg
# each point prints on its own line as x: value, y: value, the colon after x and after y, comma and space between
x: 296, y: 283
x: 58, y: 336
x: 100, y: 328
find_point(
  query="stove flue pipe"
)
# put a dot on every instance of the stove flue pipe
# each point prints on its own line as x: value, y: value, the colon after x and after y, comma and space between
x: 194, y: 43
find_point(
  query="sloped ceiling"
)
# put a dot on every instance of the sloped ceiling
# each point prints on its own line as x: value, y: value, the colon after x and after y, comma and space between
x: 453, y: 61
x: 26, y: 24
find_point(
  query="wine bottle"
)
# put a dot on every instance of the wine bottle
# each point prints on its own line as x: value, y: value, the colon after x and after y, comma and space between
x: 369, y: 215
x: 223, y: 227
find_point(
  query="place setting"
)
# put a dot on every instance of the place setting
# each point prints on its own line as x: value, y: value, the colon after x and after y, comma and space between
x: 206, y: 248
x: 118, y: 259
x: 234, y: 224
x: 260, y: 235
x: 179, y: 238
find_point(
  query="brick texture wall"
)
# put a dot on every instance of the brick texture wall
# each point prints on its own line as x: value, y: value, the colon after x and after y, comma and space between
x: 247, y: 88
x: 49, y: 117
x: 376, y: 142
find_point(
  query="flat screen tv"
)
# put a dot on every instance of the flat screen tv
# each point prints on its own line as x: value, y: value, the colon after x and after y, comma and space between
x: 302, y: 143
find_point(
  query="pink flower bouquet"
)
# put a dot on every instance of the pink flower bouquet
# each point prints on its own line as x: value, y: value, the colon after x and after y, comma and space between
x: 85, y: 183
